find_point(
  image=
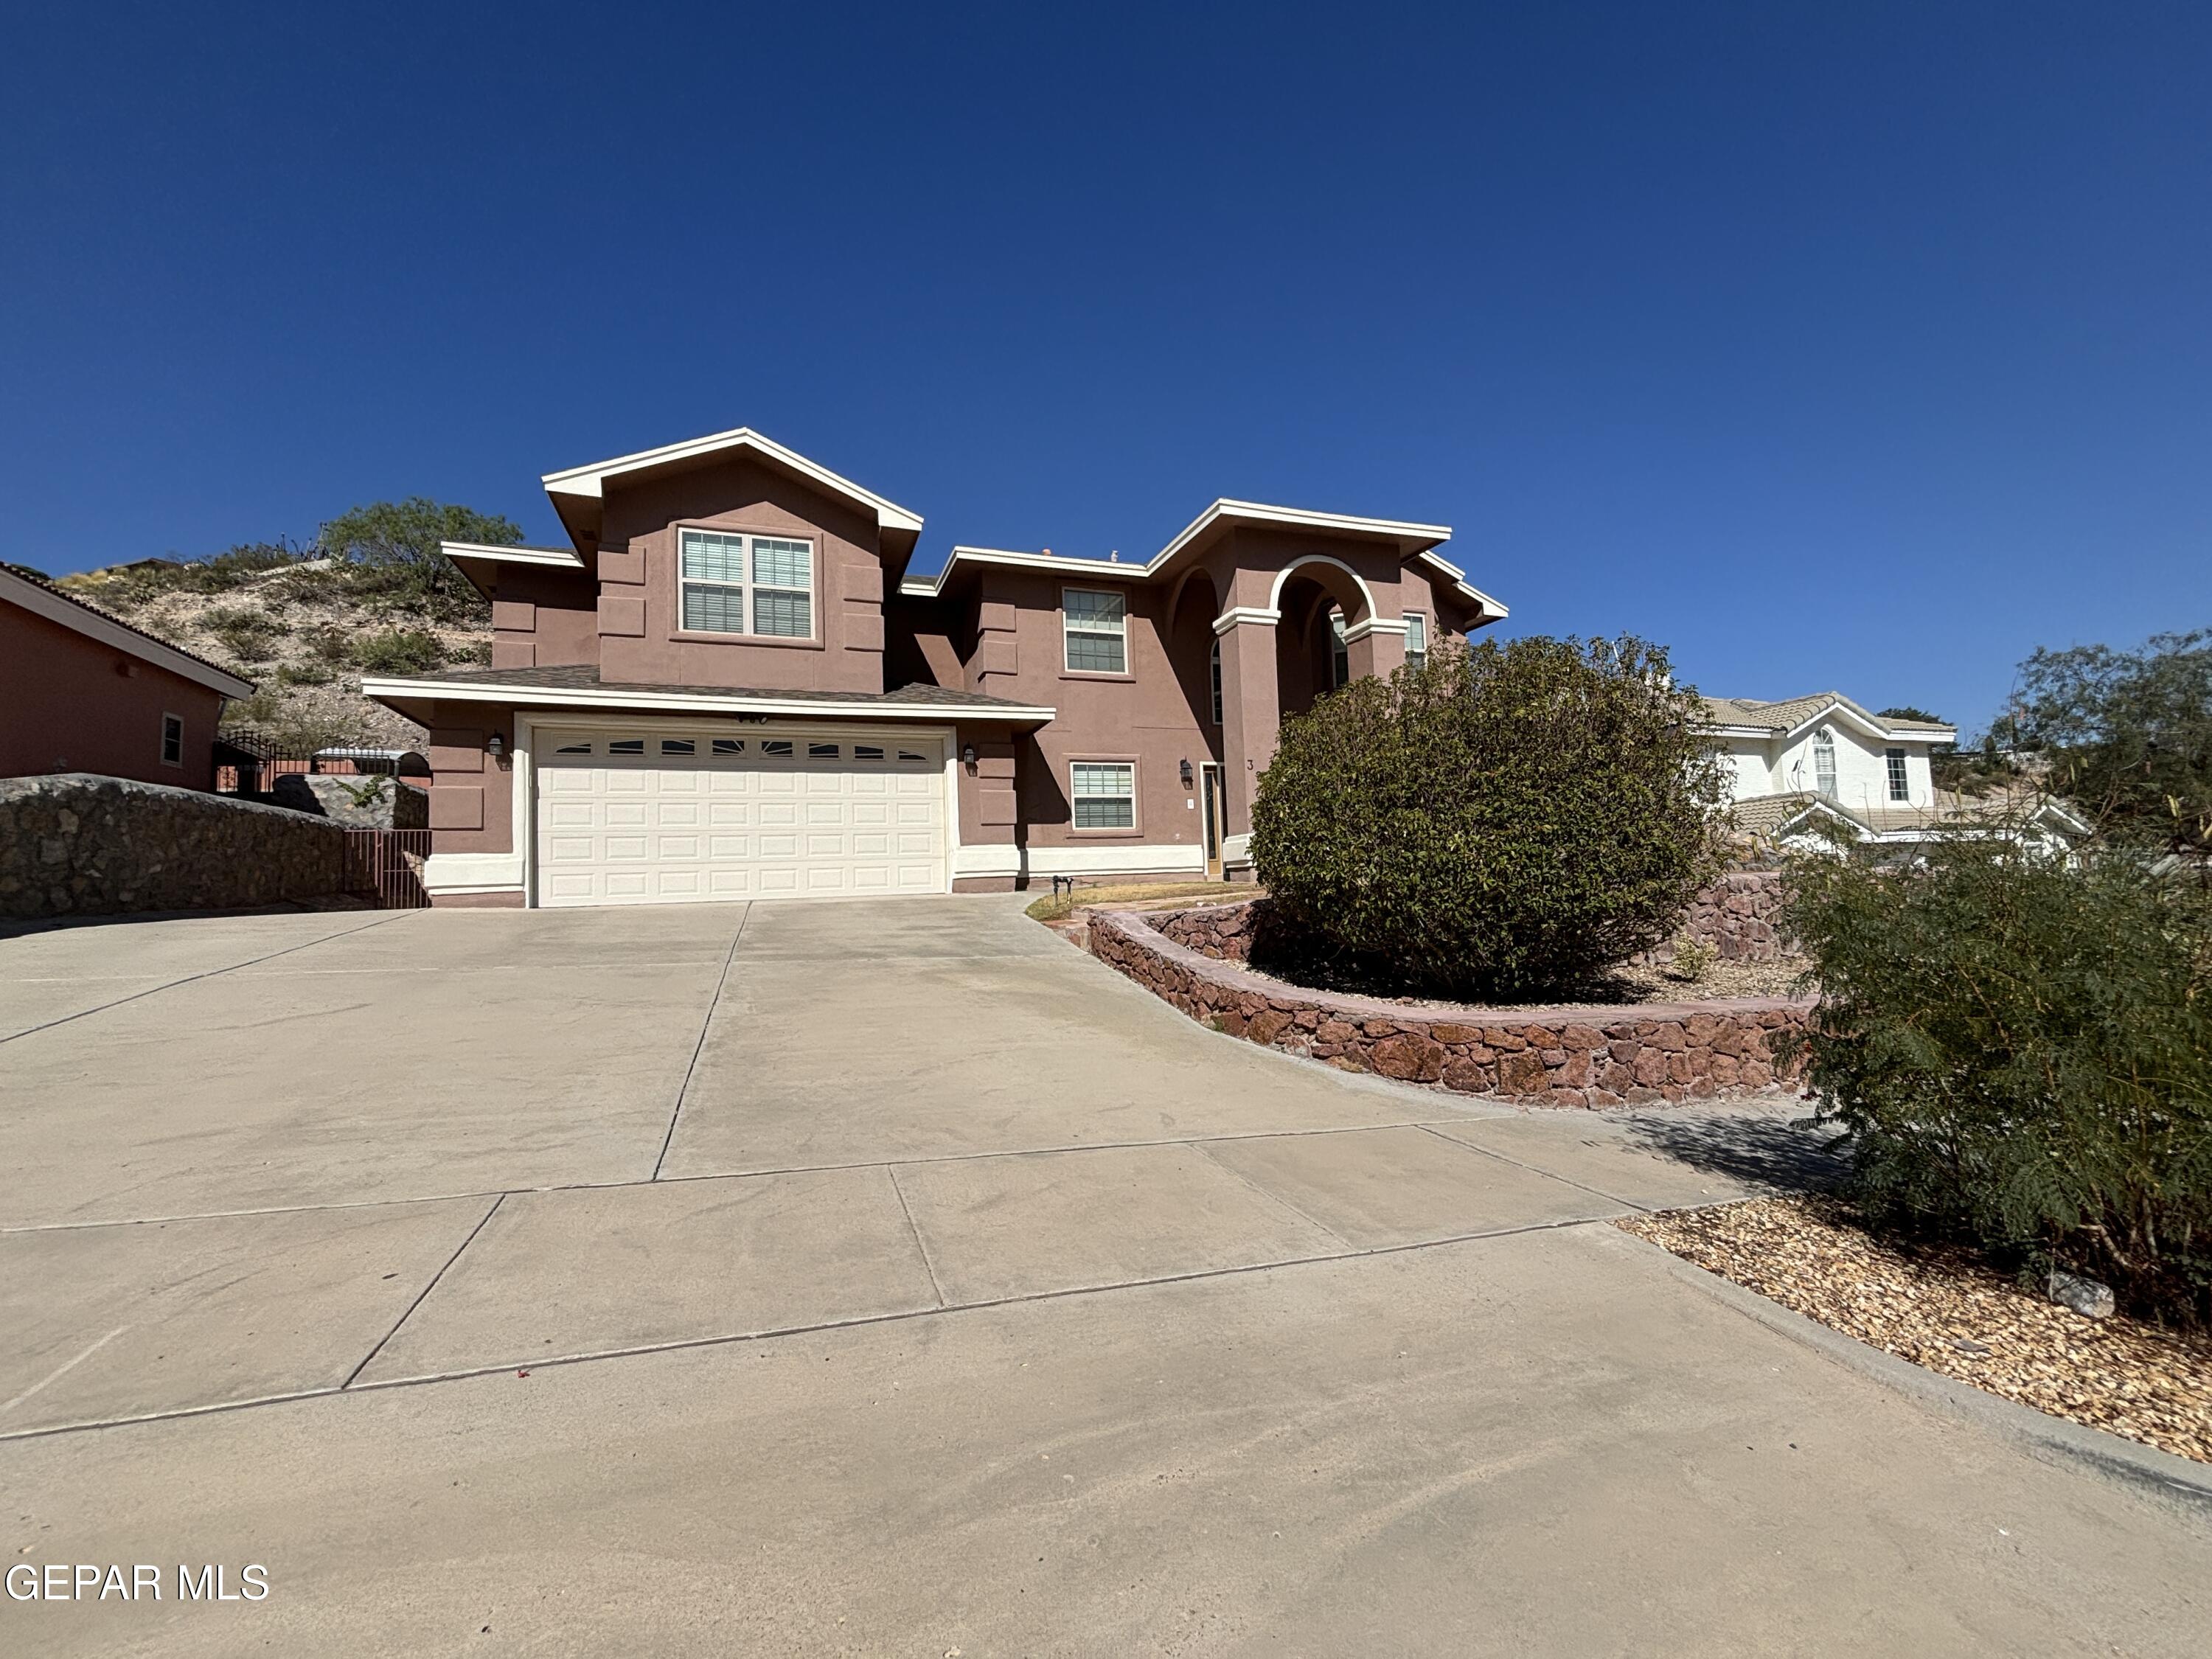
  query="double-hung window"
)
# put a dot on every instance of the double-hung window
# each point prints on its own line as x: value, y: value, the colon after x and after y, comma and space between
x: 1417, y: 639
x: 1900, y: 788
x: 742, y: 584
x: 173, y: 741
x: 1095, y: 627
x: 1824, y: 762
x: 1104, y: 794
x: 1339, y: 652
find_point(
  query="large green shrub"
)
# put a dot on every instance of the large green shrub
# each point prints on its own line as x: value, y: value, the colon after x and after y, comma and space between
x: 1504, y: 821
x: 399, y: 651
x: 2019, y: 1048
x: 391, y: 557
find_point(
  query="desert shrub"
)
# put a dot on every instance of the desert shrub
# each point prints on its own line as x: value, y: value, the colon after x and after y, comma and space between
x: 1503, y: 821
x: 2019, y: 1047
x: 1693, y: 957
x: 310, y: 673
x: 398, y: 651
x: 476, y: 653
x: 248, y: 634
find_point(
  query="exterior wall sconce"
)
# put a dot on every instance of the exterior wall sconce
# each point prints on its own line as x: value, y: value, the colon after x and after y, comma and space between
x: 494, y: 745
x: 1185, y: 774
x: 968, y: 756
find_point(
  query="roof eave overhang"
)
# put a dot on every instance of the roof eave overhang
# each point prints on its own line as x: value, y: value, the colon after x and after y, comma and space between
x: 578, y: 491
x: 93, y: 625
x: 393, y: 692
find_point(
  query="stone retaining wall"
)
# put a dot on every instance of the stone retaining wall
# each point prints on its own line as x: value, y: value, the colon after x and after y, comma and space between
x: 1738, y: 915
x: 77, y: 844
x: 1629, y: 1056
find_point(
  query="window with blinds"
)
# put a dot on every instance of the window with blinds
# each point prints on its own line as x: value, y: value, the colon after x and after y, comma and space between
x: 1095, y: 628
x: 741, y: 584
x: 1104, y: 794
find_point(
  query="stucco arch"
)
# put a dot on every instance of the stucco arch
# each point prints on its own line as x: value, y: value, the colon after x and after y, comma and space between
x: 1307, y: 560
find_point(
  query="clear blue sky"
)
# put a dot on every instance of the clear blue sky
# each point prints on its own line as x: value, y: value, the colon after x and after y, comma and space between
x: 1859, y: 345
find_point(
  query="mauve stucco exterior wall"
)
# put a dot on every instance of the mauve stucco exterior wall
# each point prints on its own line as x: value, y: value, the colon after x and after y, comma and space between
x: 65, y: 706
x: 545, y: 618
x: 639, y: 612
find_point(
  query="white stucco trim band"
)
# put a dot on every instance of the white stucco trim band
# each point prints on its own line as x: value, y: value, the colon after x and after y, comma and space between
x: 797, y: 705
x: 1258, y: 614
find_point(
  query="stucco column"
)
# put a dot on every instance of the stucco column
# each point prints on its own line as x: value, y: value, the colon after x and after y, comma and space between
x: 1377, y: 647
x: 1251, y: 713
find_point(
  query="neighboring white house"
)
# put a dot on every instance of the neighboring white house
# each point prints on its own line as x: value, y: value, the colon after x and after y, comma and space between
x: 1800, y: 759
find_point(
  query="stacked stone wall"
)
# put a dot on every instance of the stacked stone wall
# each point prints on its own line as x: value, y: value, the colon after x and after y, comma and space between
x: 1634, y: 1054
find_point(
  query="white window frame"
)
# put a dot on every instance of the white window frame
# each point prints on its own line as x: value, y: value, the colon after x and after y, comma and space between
x: 747, y: 587
x: 1068, y: 631
x: 1102, y: 763
x: 1213, y: 670
x: 1895, y: 762
x: 177, y: 721
x: 1824, y: 777
x: 1340, y: 651
x: 1417, y: 639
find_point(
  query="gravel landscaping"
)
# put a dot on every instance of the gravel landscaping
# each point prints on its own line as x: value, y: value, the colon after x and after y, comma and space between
x: 1947, y: 1310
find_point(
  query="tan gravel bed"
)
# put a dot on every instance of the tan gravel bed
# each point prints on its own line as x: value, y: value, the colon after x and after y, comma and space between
x: 1944, y: 1309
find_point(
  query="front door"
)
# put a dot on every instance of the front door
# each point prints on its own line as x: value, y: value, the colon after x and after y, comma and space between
x: 1209, y: 790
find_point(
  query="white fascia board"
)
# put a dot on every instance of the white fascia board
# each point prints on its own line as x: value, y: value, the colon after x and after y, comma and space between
x: 565, y: 557
x: 1299, y: 518
x: 589, y: 481
x: 1870, y: 723
x: 94, y: 626
x: 928, y: 587
x: 1755, y: 733
x: 1491, y: 610
x: 541, y: 696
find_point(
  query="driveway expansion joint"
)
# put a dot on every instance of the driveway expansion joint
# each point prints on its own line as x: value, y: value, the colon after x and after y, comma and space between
x: 421, y: 1295
x: 699, y: 1048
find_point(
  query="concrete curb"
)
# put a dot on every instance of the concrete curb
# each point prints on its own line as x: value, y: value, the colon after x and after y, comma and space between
x: 2161, y: 1474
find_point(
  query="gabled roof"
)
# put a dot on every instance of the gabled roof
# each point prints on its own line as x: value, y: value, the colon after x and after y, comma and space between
x: 41, y: 598
x: 1790, y: 715
x: 577, y: 491
x: 1774, y: 815
x: 1419, y: 541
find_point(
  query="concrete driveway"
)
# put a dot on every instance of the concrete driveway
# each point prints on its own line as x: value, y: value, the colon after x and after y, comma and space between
x: 892, y: 1278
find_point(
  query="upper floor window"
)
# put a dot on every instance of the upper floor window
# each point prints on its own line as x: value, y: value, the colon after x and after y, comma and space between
x: 1824, y: 761
x: 1214, y: 669
x: 1095, y: 627
x: 1417, y: 639
x: 173, y: 741
x: 739, y: 584
x: 1339, y: 654
x: 1900, y: 788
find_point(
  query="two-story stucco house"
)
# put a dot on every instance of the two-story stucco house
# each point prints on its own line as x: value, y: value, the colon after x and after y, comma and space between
x: 1823, y: 757
x: 729, y: 686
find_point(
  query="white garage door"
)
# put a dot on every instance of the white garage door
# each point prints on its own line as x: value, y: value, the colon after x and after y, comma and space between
x: 660, y: 817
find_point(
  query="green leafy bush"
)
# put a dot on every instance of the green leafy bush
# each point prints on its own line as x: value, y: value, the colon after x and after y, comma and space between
x: 2020, y: 1050
x: 391, y: 549
x: 1503, y: 821
x: 399, y: 651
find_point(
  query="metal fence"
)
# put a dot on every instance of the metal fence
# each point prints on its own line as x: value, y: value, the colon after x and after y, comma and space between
x: 388, y: 864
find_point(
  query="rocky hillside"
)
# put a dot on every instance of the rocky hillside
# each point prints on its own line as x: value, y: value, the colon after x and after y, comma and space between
x: 304, y: 631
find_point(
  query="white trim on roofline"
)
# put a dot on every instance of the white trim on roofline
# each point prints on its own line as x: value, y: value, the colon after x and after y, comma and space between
x: 1491, y: 610
x: 1868, y: 723
x: 566, y: 557
x: 1299, y: 518
x: 928, y: 587
x: 80, y: 619
x: 589, y: 481
x: 547, y: 697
